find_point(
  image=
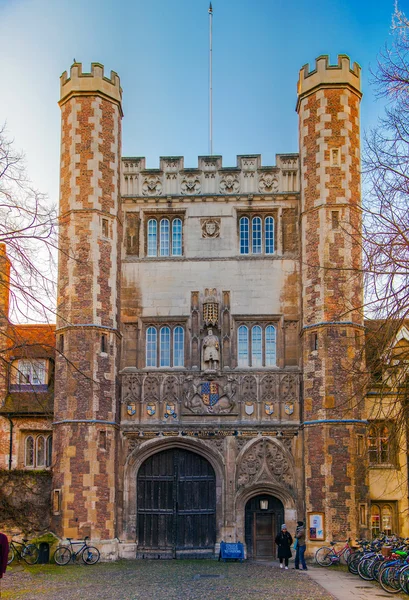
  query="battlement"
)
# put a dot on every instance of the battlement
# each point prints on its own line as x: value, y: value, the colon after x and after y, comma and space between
x: 79, y: 83
x: 210, y: 177
x: 327, y: 75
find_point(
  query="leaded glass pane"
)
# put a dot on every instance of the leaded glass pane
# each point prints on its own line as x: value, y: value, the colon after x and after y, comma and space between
x: 24, y: 372
x: 270, y: 346
x: 29, y: 457
x: 164, y: 237
x: 243, y: 346
x: 256, y: 347
x: 256, y: 235
x: 244, y: 235
x: 151, y: 349
x: 40, y: 443
x: 165, y: 347
x: 49, y: 451
x: 178, y: 347
x: 269, y: 233
x: 152, y: 237
x: 176, y: 237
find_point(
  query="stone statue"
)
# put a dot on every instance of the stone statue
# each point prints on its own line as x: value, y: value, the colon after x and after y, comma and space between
x: 210, y: 352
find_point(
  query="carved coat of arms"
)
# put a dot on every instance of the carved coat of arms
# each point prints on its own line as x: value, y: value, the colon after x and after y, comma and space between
x: 210, y: 393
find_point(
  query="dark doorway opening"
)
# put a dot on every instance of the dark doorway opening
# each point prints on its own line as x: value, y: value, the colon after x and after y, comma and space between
x: 176, y: 506
x: 264, y: 516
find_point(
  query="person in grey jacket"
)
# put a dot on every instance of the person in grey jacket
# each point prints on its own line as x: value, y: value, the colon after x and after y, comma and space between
x: 301, y: 546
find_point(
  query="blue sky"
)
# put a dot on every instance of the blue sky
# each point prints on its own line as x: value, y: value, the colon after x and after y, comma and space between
x: 160, y: 50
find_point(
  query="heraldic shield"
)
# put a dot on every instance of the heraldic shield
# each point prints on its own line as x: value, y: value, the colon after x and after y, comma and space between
x: 210, y: 393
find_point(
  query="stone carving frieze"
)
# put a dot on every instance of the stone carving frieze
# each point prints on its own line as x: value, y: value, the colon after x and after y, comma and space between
x: 249, y: 388
x: 152, y: 186
x: 131, y: 388
x: 151, y: 388
x: 269, y: 388
x: 229, y: 184
x: 171, y: 388
x: 289, y: 387
x: 265, y: 461
x: 268, y: 183
x: 190, y: 184
x: 132, y: 445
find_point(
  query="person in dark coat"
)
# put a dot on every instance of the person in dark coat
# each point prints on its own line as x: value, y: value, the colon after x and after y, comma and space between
x: 284, y: 542
x: 4, y: 552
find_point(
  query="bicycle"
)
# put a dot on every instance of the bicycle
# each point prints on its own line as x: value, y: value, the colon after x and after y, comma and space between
x: 28, y: 552
x: 89, y: 554
x: 328, y: 556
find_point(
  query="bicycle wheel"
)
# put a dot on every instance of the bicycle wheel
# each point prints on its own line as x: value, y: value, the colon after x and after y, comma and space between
x: 30, y: 554
x: 363, y: 567
x: 353, y: 562
x: 346, y: 554
x: 90, y: 555
x: 404, y: 579
x: 389, y: 579
x: 62, y: 555
x: 323, y: 556
x: 11, y: 556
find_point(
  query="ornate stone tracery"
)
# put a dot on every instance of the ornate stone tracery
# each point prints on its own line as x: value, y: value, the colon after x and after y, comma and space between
x: 266, y: 461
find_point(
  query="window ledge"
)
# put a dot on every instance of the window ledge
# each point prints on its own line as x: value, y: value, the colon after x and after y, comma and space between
x: 31, y: 387
x: 383, y: 466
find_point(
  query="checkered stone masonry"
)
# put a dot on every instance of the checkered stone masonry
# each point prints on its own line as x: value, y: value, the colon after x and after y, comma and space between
x: 86, y: 411
x: 332, y: 291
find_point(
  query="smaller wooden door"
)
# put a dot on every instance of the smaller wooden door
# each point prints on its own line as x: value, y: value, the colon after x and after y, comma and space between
x: 264, y: 535
x: 264, y: 515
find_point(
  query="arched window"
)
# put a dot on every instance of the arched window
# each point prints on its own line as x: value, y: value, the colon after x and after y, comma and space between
x: 49, y: 451
x: 29, y: 451
x: 178, y: 347
x: 382, y: 519
x: 244, y: 235
x: 256, y: 231
x: 256, y: 347
x: 270, y: 346
x: 40, y: 451
x: 379, y: 443
x: 243, y: 346
x: 151, y: 347
x: 269, y: 235
x: 165, y: 347
x: 176, y: 237
x: 152, y: 237
x: 164, y: 237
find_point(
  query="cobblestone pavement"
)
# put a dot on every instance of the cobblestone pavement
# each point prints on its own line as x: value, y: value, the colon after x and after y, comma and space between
x: 156, y: 580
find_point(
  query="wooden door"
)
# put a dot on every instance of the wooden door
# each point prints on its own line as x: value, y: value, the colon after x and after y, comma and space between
x: 264, y: 534
x: 176, y: 495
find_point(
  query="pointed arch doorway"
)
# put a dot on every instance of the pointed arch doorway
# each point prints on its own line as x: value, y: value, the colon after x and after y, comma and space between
x: 264, y: 515
x: 176, y: 505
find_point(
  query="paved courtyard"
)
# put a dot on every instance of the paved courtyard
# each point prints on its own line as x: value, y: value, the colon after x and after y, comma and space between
x: 154, y: 580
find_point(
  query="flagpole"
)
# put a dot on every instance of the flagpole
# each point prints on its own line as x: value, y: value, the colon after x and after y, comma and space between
x: 210, y: 82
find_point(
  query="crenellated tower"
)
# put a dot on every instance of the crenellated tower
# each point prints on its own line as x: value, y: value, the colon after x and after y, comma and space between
x: 88, y: 336
x: 332, y: 293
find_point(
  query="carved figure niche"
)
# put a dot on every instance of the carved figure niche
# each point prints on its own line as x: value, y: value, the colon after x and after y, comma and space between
x: 211, y: 352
